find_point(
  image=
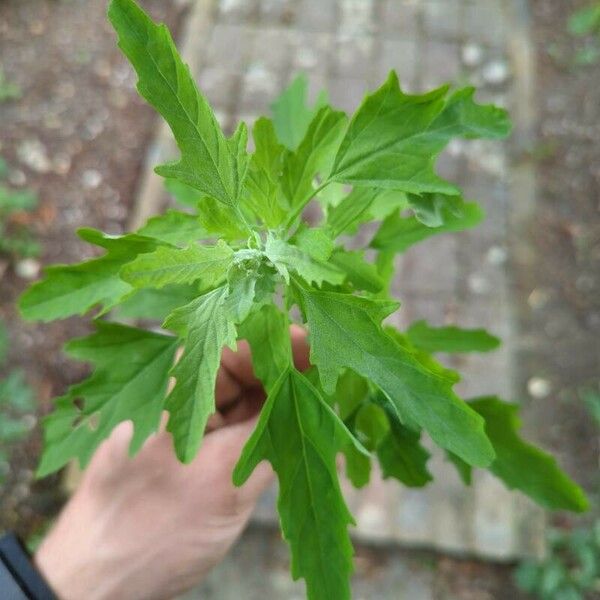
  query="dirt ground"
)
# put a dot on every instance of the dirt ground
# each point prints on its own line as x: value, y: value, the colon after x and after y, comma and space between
x: 78, y: 137
x: 560, y: 287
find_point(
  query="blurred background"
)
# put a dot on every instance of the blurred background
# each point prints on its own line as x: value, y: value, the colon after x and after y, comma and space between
x: 77, y: 147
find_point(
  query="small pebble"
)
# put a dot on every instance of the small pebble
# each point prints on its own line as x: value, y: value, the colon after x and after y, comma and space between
x: 27, y: 268
x: 91, y: 179
x: 472, y: 55
x: 538, y: 387
x: 496, y: 255
x: 33, y: 154
x: 17, y: 177
x: 478, y: 284
x: 496, y: 72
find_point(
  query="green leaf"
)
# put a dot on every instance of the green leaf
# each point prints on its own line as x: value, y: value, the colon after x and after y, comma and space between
x: 292, y: 115
x: 450, y: 339
x: 3, y: 343
x: 267, y: 332
x: 315, y: 242
x: 209, y: 162
x: 312, y: 157
x: 206, y: 327
x: 179, y: 265
x: 128, y: 384
x: 522, y: 466
x: 220, y: 221
x: 16, y: 394
x: 360, y: 273
x: 300, y: 436
x: 68, y: 290
x: 16, y: 201
x: 585, y: 20
x: 251, y: 284
x: 174, y: 227
x: 287, y: 257
x: 345, y: 333
x: 156, y: 304
x: 183, y: 193
x: 464, y: 470
x: 393, y: 138
x: 397, y: 233
x: 402, y: 457
x: 357, y: 207
x: 264, y: 196
x: 434, y: 210
x: 370, y: 425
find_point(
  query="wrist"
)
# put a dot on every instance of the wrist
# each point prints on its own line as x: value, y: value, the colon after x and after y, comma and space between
x: 70, y: 557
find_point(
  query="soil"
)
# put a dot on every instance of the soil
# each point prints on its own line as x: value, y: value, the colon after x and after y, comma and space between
x: 78, y: 136
x: 560, y: 285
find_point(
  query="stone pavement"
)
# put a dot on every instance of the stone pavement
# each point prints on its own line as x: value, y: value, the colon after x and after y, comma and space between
x: 244, y: 51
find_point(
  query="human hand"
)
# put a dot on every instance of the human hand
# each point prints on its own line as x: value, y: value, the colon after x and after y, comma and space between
x: 150, y: 527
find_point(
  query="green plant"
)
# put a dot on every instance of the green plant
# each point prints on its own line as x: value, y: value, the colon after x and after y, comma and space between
x: 571, y: 569
x: 16, y: 404
x: 8, y: 90
x: 585, y: 22
x: 372, y: 389
x: 15, y: 238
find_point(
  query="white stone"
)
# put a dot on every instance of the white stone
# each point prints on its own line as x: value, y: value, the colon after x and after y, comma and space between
x: 539, y: 388
x: 496, y: 255
x: 28, y: 268
x: 91, y: 179
x: 496, y: 72
x: 34, y: 155
x: 472, y: 55
x: 478, y: 284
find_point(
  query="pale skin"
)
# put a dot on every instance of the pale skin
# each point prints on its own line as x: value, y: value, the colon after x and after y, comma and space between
x: 150, y: 528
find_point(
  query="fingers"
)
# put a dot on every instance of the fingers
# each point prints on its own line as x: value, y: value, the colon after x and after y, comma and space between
x: 300, y: 347
x: 238, y: 364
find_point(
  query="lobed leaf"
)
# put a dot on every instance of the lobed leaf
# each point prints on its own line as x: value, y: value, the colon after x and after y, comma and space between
x: 68, y: 290
x: 179, y: 265
x: 129, y: 381
x: 209, y: 162
x: 398, y: 233
x: 300, y: 436
x: 450, y: 339
x: 523, y: 466
x: 345, y: 333
x: 206, y: 327
x: 291, y: 113
x: 394, y: 138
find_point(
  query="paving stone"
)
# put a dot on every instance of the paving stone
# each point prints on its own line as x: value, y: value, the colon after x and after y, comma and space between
x: 430, y: 266
x: 219, y: 86
x: 485, y: 21
x: 229, y: 46
x: 353, y: 56
x: 280, y: 12
x: 237, y: 11
x: 271, y: 48
x: 442, y: 19
x: 401, y: 56
x: 356, y: 17
x: 311, y: 51
x: 347, y: 92
x: 316, y: 15
x: 440, y: 63
x: 400, y: 18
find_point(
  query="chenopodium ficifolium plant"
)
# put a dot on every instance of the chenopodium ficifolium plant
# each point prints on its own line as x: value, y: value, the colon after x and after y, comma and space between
x: 242, y: 265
